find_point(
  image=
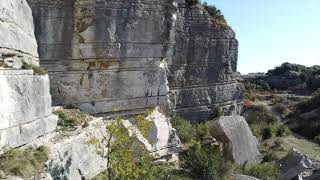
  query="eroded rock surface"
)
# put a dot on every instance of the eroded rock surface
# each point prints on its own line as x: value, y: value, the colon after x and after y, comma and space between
x: 238, y: 143
x: 131, y: 55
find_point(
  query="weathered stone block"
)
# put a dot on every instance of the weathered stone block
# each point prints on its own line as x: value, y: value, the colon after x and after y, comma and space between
x: 238, y: 143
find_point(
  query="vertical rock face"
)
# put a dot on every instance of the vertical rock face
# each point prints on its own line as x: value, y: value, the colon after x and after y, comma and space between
x: 131, y: 55
x: 105, y: 55
x: 25, y: 101
x: 202, y: 71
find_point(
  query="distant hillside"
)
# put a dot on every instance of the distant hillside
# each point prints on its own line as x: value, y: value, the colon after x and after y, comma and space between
x: 287, y: 76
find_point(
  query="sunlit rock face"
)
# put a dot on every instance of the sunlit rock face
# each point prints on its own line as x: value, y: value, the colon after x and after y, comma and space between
x: 131, y: 55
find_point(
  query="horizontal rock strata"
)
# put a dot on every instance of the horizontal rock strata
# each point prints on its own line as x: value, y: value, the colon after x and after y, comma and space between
x: 25, y: 107
x: 133, y: 55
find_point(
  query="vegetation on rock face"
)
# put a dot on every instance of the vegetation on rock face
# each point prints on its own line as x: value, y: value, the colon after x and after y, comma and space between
x: 128, y: 159
x: 37, y: 70
x: 215, y: 13
x: 25, y: 163
x: 71, y: 117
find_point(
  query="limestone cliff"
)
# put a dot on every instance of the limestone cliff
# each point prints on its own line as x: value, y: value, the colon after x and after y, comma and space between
x: 25, y: 100
x: 131, y: 55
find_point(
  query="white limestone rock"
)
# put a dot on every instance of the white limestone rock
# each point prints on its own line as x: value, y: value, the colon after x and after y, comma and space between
x: 72, y: 156
x: 162, y: 139
x: 25, y: 107
x: 238, y: 143
x: 18, y: 42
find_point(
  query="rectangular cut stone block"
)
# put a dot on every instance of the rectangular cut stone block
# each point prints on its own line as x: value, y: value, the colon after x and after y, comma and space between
x: 25, y: 133
x: 23, y: 98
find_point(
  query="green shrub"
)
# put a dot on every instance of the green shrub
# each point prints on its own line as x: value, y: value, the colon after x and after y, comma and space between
x: 37, y: 70
x: 185, y: 130
x: 317, y: 139
x: 201, y: 131
x: 283, y: 130
x: 24, y: 162
x: 267, y: 133
x: 214, y: 12
x: 203, y: 162
x: 281, y: 109
x: 265, y: 171
x: 270, y: 156
x: 259, y: 114
x: 71, y: 117
x: 216, y: 113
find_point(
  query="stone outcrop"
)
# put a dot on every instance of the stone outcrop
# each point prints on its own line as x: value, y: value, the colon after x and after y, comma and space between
x: 162, y: 140
x: 25, y: 100
x: 238, y: 143
x: 132, y: 55
x: 74, y: 154
x: 293, y: 164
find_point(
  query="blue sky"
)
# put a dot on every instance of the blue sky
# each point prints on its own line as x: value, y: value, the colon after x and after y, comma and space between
x: 271, y: 32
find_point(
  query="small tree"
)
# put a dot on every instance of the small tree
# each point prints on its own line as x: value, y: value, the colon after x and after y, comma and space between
x: 127, y: 158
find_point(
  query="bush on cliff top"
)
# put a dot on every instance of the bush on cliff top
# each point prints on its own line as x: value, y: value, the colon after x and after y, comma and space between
x: 25, y: 163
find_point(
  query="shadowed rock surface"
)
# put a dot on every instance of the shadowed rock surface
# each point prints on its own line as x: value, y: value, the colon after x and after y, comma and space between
x: 293, y: 164
x: 133, y: 55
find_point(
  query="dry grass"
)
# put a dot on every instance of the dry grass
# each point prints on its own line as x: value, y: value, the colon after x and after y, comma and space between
x: 25, y: 163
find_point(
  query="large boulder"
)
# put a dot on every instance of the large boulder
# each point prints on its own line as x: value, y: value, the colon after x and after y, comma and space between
x: 293, y: 164
x: 238, y: 143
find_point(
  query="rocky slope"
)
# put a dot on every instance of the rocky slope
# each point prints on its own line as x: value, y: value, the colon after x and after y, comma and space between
x: 25, y: 100
x: 133, y: 55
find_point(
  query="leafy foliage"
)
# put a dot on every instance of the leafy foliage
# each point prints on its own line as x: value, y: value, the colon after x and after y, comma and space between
x: 188, y: 132
x: 214, y: 12
x: 216, y: 113
x: 267, y: 133
x: 283, y: 130
x: 24, y: 162
x: 204, y: 162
